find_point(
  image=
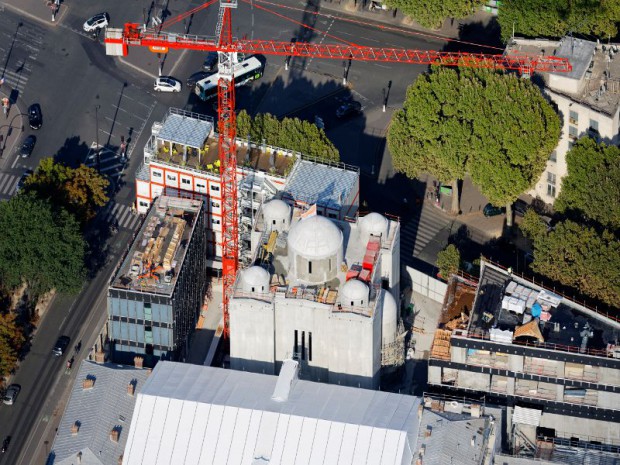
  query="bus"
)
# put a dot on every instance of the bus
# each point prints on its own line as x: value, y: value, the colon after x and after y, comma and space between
x: 245, y: 71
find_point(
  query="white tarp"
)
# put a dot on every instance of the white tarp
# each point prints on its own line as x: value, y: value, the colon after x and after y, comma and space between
x: 549, y: 298
x: 497, y: 335
x: 526, y: 416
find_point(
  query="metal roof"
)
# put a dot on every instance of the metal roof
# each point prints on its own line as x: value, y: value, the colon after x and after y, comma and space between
x: 98, y: 410
x: 328, y: 186
x: 185, y: 129
x: 194, y: 414
x: 446, y: 440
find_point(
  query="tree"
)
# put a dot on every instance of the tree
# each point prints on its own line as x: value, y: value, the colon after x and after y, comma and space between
x: 556, y: 18
x: 495, y: 126
x: 580, y: 257
x: 591, y: 190
x: 290, y: 133
x: 431, y: 13
x: 448, y: 261
x: 11, y: 340
x: 514, y: 132
x: 81, y: 191
x: 40, y: 244
x: 533, y: 226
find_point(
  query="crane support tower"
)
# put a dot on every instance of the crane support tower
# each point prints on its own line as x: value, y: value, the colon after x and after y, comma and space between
x: 118, y: 41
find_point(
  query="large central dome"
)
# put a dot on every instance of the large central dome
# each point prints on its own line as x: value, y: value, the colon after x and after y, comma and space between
x: 315, y: 237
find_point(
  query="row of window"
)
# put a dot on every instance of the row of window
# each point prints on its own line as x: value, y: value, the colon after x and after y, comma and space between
x: 573, y: 118
x: 187, y: 182
x: 300, y: 351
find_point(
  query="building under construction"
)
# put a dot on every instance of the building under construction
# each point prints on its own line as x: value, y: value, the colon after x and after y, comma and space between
x: 157, y: 290
x: 554, y: 363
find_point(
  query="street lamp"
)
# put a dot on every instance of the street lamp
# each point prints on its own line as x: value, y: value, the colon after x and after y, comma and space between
x: 97, y: 107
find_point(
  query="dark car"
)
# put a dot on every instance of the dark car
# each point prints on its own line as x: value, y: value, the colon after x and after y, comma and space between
x: 5, y: 444
x: 61, y: 345
x: 492, y: 210
x: 11, y: 394
x: 520, y: 207
x: 35, y: 118
x: 22, y: 180
x: 198, y: 76
x: 27, y: 146
x: 349, y: 109
x: 210, y: 63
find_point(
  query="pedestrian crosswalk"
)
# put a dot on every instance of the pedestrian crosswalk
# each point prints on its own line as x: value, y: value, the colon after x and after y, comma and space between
x: 110, y: 162
x: 121, y: 215
x: 8, y: 184
x: 420, y: 231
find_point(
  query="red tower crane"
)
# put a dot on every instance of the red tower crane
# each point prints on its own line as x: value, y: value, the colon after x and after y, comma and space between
x: 133, y: 34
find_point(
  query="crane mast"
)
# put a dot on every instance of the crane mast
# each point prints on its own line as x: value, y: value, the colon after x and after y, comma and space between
x: 118, y: 41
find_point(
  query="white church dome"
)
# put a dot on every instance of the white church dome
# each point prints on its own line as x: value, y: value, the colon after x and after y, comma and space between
x: 277, y: 214
x: 315, y: 238
x: 354, y: 293
x: 375, y: 224
x: 255, y: 279
x: 389, y: 318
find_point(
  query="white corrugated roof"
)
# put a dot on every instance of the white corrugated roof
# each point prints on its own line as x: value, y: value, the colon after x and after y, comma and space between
x: 526, y: 416
x: 190, y: 414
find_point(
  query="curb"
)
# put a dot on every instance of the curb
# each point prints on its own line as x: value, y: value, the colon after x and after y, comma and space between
x: 35, y: 17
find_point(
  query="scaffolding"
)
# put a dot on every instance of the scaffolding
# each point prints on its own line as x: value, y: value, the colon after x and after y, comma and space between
x: 393, y: 354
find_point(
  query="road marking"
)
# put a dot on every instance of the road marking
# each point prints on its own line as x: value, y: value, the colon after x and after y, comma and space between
x: 382, y: 66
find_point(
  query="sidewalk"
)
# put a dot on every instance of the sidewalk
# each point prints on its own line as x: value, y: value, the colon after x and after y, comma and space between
x: 36, y: 10
x: 11, y: 128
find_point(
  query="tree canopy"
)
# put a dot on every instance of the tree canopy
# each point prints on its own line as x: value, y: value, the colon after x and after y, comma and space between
x: 591, y: 190
x: 290, y: 133
x: 448, y: 261
x: 40, y: 244
x: 431, y: 13
x: 557, y: 18
x: 81, y: 191
x: 495, y: 126
x: 582, y: 258
x: 11, y: 340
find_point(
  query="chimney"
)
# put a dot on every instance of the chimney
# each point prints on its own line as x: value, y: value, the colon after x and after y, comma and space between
x: 75, y: 428
x: 131, y: 388
x: 475, y: 410
x: 114, y: 434
x: 88, y: 383
x: 138, y: 361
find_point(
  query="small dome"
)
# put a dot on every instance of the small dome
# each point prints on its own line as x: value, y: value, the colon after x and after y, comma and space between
x: 315, y: 237
x: 375, y: 224
x: 389, y: 318
x: 276, y: 210
x: 354, y: 293
x: 255, y: 279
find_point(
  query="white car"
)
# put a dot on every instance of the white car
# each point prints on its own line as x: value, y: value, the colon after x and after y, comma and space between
x: 97, y: 22
x: 167, y: 84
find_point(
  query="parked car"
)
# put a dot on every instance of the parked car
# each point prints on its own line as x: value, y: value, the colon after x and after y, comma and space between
x: 22, y: 180
x: 99, y: 21
x: 11, y: 394
x: 61, y: 345
x: 520, y: 207
x: 194, y: 78
x: 167, y: 84
x: 210, y: 63
x: 27, y: 146
x: 5, y: 444
x: 492, y: 210
x: 349, y: 109
x: 35, y: 118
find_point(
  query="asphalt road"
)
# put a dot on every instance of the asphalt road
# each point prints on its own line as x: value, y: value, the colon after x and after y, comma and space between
x: 90, y: 100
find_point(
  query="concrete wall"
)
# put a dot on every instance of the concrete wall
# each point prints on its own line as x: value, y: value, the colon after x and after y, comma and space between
x: 582, y: 428
x: 515, y: 362
x: 610, y: 400
x: 471, y: 380
x: 609, y: 376
x: 252, y: 336
x: 427, y: 285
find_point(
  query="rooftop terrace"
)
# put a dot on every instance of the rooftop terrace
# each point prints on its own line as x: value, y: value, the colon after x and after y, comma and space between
x: 596, y: 67
x: 511, y: 310
x: 156, y: 255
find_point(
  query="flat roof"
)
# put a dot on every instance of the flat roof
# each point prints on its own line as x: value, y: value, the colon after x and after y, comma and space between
x: 596, y: 67
x: 196, y: 414
x: 154, y: 260
x: 99, y: 409
x: 185, y: 128
x: 512, y: 305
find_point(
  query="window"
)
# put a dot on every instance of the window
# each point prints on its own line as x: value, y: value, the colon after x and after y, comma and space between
x: 550, y: 178
x: 215, y: 221
x: 332, y: 215
x: 142, y: 203
x: 572, y: 132
x: 295, y: 346
x: 215, y: 188
x: 309, y: 267
x: 215, y: 204
x: 303, y: 345
x: 186, y: 181
x: 171, y: 177
x: 594, y: 125
x: 156, y: 174
x: 573, y: 117
x: 553, y: 157
x: 309, y: 347
x: 570, y: 144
